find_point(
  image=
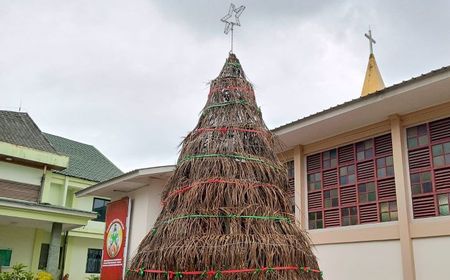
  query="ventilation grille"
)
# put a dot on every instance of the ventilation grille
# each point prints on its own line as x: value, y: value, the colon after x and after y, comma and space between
x: 314, y: 200
x: 440, y: 129
x: 348, y: 195
x: 346, y: 154
x: 366, y: 171
x: 419, y: 158
x: 332, y: 218
x: 330, y: 178
x: 368, y: 213
x: 424, y: 206
x: 442, y: 179
x: 313, y: 162
x: 291, y: 187
x: 383, y: 145
x: 386, y: 189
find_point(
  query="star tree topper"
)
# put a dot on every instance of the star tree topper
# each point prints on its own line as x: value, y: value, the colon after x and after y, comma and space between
x: 231, y: 19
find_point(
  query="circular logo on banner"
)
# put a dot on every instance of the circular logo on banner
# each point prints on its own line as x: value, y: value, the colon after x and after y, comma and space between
x: 114, y: 238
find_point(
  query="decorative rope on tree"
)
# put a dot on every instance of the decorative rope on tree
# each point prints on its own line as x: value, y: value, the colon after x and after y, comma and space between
x: 213, y: 273
x: 225, y: 211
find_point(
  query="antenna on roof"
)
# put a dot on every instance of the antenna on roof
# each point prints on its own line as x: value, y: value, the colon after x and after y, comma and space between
x: 20, y: 105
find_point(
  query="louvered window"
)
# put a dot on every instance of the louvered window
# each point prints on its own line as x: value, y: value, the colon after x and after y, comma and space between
x: 331, y: 198
x: 315, y: 220
x: 385, y: 167
x: 389, y: 211
x: 443, y: 200
x: 367, y: 192
x: 364, y: 150
x: 348, y: 184
x: 347, y: 175
x: 417, y: 136
x: 329, y: 159
x: 349, y: 216
x: 429, y: 165
x: 314, y: 181
x: 441, y: 154
x: 291, y: 182
x: 421, y: 183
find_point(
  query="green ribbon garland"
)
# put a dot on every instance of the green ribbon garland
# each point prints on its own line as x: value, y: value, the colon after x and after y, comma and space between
x: 241, y: 102
x: 274, y: 218
x: 257, y: 271
x: 235, y: 64
x: 218, y: 275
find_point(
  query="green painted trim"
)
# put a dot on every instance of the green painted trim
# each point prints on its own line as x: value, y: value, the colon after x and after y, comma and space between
x: 92, y: 235
x: 73, y: 181
x: 33, y: 155
x: 50, y: 215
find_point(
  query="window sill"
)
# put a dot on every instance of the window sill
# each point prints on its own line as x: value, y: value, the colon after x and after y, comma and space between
x: 355, y: 233
x: 430, y: 227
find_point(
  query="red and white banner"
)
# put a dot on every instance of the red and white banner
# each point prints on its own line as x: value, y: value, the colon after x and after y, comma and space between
x: 114, y: 254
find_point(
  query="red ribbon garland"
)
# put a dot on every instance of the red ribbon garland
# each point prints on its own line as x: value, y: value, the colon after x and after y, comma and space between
x: 210, y: 273
x: 226, y: 129
x: 188, y: 187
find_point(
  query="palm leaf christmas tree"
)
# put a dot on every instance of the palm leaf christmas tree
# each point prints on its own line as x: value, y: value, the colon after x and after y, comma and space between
x: 225, y: 212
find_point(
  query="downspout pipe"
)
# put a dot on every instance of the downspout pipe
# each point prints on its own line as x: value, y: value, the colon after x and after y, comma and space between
x: 42, y: 184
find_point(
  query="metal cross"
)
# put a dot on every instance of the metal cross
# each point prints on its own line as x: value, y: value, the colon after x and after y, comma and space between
x: 231, y: 19
x: 371, y: 40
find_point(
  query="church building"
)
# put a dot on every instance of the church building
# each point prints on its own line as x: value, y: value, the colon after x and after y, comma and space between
x: 370, y: 181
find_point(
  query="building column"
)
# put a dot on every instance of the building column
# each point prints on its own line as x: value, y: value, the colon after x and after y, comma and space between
x: 53, y: 250
x: 300, y: 188
x: 403, y: 199
x: 66, y: 186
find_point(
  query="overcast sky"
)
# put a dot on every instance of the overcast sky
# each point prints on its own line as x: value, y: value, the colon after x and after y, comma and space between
x: 130, y: 77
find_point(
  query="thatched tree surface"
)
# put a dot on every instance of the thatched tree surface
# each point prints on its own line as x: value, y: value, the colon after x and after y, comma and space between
x: 225, y: 211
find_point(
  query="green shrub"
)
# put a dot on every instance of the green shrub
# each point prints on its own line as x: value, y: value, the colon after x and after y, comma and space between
x: 18, y: 272
x: 93, y: 277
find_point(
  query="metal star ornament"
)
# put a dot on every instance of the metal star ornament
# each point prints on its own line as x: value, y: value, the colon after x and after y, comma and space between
x: 231, y: 19
x: 229, y: 24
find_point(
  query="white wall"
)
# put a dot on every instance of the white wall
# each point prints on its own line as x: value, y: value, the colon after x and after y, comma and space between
x: 146, y: 206
x: 379, y: 260
x: 20, y: 173
x: 432, y: 258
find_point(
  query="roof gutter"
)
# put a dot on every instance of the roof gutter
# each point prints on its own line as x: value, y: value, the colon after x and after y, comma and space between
x: 138, y: 172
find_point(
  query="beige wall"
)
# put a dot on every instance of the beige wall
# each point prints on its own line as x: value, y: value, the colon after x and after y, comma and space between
x: 20, y: 173
x: 21, y: 241
x: 77, y: 248
x: 432, y: 257
x: 364, y: 260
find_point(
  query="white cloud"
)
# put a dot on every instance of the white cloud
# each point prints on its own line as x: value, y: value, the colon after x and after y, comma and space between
x: 130, y: 77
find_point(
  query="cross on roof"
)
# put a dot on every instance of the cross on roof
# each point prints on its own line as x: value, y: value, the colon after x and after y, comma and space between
x: 371, y: 40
